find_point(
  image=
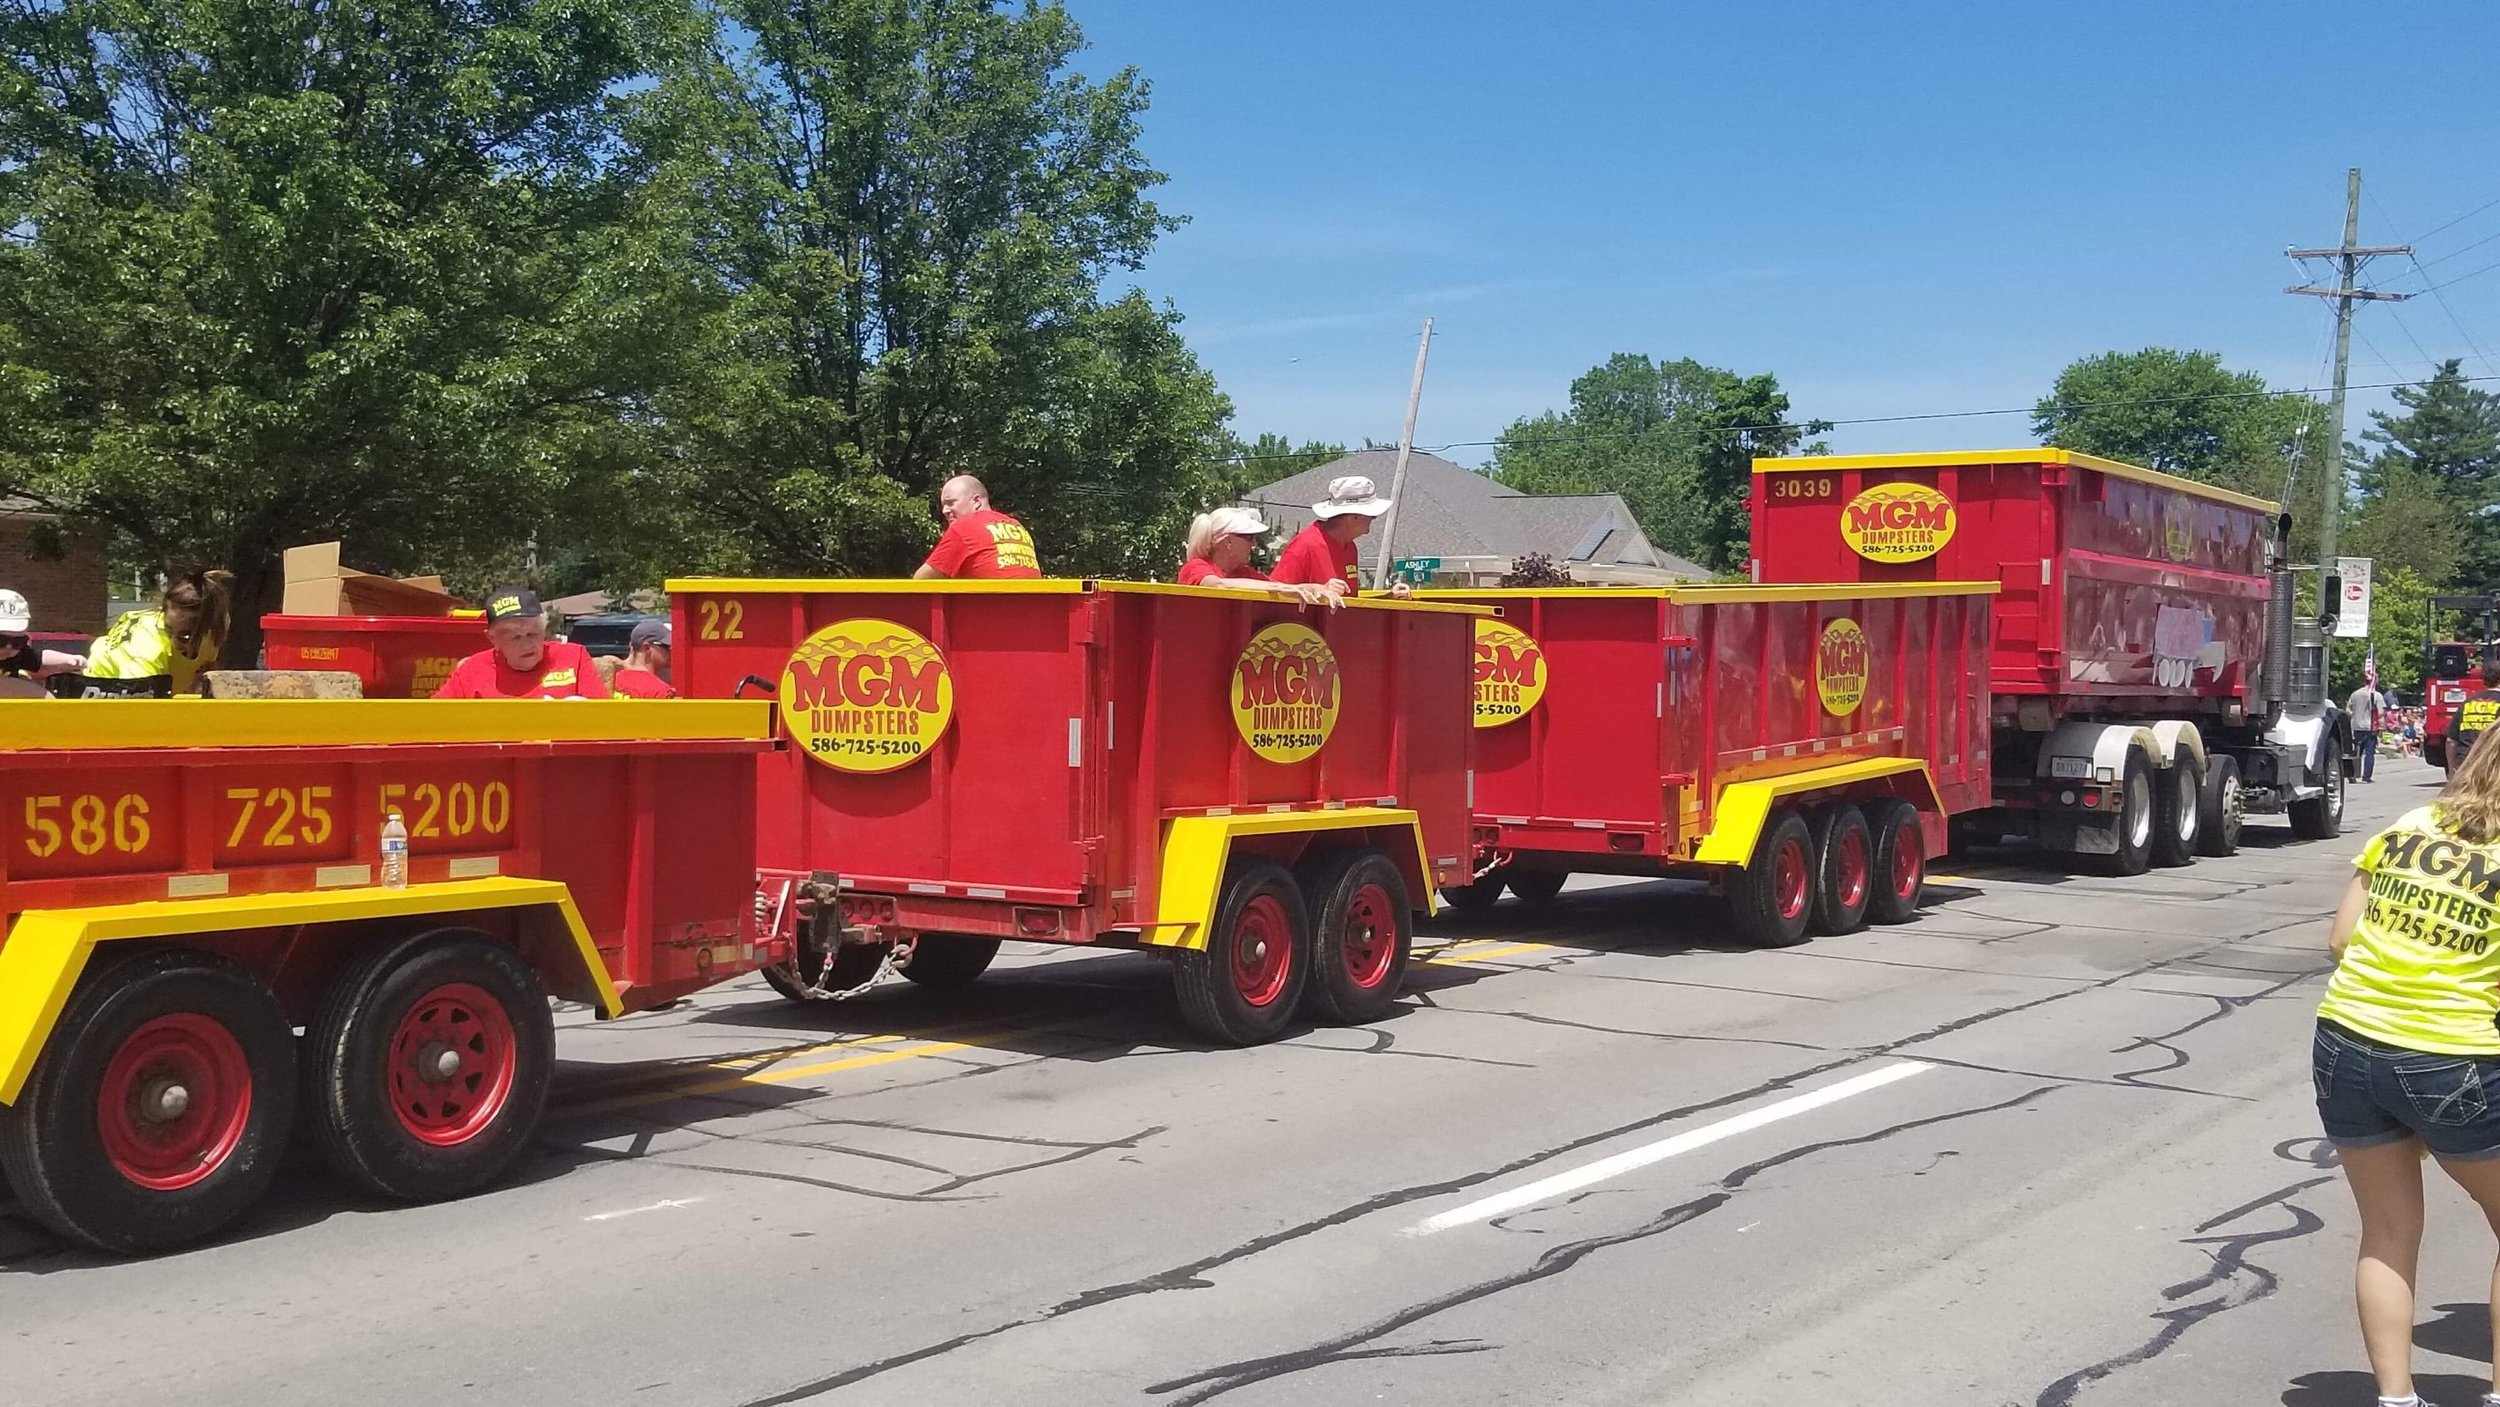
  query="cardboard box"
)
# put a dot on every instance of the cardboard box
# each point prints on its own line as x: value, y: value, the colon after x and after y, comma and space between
x: 318, y: 585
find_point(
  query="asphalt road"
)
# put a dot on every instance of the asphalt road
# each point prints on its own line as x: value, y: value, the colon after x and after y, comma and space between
x: 2052, y: 1143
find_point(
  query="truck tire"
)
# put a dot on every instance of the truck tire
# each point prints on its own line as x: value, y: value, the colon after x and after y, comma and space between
x: 430, y: 1057
x: 2178, y: 815
x: 1242, y: 987
x: 1900, y: 861
x: 1844, y: 870
x: 159, y: 1112
x: 946, y: 962
x: 1537, y: 886
x: 2137, y: 817
x: 2221, y: 808
x: 1362, y: 932
x: 1772, y: 898
x: 852, y: 964
x: 2322, y: 817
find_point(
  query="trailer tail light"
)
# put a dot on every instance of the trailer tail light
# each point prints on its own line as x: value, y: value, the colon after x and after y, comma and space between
x: 860, y: 910
x: 1628, y: 844
x: 1037, y: 923
x: 2092, y: 798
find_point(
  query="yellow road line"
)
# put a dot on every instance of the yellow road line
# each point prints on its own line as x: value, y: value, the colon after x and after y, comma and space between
x: 666, y: 1090
x: 1443, y: 959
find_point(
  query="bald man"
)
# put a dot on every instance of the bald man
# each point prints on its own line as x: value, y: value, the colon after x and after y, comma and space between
x: 979, y: 541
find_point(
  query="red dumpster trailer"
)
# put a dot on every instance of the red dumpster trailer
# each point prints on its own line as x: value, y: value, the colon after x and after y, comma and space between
x: 1263, y: 792
x: 185, y: 886
x: 2148, y: 684
x: 1804, y: 745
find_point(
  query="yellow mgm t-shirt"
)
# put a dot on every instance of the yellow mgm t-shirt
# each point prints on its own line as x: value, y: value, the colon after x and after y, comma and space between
x: 2423, y: 968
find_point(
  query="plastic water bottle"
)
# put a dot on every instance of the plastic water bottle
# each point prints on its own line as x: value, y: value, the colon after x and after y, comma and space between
x: 394, y: 853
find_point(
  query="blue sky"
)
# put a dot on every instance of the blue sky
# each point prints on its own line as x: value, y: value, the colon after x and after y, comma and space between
x: 1899, y: 208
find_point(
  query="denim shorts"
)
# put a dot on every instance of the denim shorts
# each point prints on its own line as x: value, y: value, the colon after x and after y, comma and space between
x: 2370, y: 1092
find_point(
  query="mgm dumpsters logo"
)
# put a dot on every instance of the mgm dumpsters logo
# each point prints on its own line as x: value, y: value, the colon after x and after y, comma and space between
x: 1285, y: 693
x: 1840, y: 667
x: 866, y: 696
x: 1510, y: 673
x: 1898, y: 523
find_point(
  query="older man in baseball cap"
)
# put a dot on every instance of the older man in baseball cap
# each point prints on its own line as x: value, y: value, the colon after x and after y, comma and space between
x: 520, y: 662
x: 1323, y: 553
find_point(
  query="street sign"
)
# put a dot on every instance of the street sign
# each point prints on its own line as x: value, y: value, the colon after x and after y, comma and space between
x: 1415, y: 568
x: 2352, y: 622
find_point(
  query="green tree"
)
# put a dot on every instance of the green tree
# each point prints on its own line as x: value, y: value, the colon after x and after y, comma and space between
x: 2406, y: 525
x: 1745, y: 420
x: 1272, y: 456
x: 2400, y: 619
x: 2181, y: 413
x: 289, y: 272
x: 902, y: 212
x: 1634, y: 428
x: 2440, y: 458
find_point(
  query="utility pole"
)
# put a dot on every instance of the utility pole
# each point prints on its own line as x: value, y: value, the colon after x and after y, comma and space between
x: 1406, y: 446
x: 2349, y: 258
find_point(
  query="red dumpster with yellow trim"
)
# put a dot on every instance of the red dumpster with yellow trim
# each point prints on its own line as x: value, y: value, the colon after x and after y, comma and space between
x: 1265, y: 790
x: 396, y: 657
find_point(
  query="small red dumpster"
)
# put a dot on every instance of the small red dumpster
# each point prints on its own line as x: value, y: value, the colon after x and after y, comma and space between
x: 1804, y: 744
x: 1264, y: 791
x: 397, y: 657
x: 185, y: 887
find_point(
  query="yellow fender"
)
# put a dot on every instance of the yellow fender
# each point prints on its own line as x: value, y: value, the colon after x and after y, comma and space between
x: 1744, y: 807
x: 1196, y: 848
x: 48, y: 948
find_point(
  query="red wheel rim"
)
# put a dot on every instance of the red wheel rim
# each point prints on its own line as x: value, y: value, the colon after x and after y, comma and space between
x: 451, y: 1064
x: 1907, y: 864
x: 1855, y: 869
x: 1371, y: 937
x: 1262, y: 951
x: 1788, y: 877
x: 175, y: 1101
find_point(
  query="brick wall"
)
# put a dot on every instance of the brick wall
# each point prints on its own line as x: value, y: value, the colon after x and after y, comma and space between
x: 66, y: 591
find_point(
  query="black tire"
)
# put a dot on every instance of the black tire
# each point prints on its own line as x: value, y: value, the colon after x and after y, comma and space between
x: 2221, y: 808
x: 1227, y: 993
x: 1844, y: 870
x: 1772, y: 898
x: 1474, y: 898
x: 2322, y: 817
x: 1537, y: 886
x: 387, y: 1111
x: 949, y: 962
x: 853, y: 963
x: 190, y: 1012
x: 2137, y: 817
x: 2178, y: 813
x: 1900, y: 861
x: 1362, y: 933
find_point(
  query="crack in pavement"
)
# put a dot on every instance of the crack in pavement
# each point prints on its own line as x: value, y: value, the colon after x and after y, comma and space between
x: 1536, y: 1020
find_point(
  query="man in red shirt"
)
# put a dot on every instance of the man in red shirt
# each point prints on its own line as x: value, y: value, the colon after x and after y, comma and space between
x: 1323, y: 553
x: 520, y: 662
x: 979, y: 541
x: 645, y: 673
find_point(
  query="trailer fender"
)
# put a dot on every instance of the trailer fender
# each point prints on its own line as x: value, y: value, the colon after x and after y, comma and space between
x: 2104, y: 746
x: 2173, y: 736
x: 1196, y: 849
x: 1743, y: 808
x: 48, y: 949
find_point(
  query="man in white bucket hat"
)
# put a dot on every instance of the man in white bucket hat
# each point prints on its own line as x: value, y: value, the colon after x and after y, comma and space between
x: 22, y: 665
x: 1323, y: 553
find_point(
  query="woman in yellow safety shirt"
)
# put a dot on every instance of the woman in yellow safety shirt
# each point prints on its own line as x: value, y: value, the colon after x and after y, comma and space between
x: 175, y: 641
x: 2406, y: 1060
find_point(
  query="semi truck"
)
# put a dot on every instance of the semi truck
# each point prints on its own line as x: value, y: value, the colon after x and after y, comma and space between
x: 2150, y: 682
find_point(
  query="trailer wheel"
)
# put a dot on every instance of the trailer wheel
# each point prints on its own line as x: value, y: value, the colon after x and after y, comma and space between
x: 1362, y: 930
x: 1241, y: 988
x: 804, y: 981
x: 431, y: 1056
x: 2321, y: 817
x: 2221, y: 808
x: 1773, y: 897
x: 2136, y: 808
x: 1474, y: 898
x: 947, y: 961
x: 1900, y: 861
x: 1537, y: 886
x: 2179, y: 818
x: 159, y: 1113
x: 1844, y: 872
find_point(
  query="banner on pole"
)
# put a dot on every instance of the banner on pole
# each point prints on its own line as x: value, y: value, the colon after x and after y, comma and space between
x: 2353, y: 620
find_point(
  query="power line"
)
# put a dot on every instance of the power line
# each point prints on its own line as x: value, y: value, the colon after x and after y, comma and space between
x: 2460, y: 249
x: 2487, y: 268
x: 2457, y: 322
x: 2461, y: 219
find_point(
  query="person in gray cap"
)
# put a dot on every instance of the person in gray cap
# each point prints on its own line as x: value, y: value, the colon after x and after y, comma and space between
x: 645, y: 675
x: 1323, y: 554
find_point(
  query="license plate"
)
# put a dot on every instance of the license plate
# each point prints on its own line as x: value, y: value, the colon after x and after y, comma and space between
x: 2070, y: 768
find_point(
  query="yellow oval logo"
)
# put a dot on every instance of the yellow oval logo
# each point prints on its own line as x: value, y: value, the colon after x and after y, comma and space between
x: 1285, y: 693
x: 1510, y: 673
x: 1840, y: 662
x: 1898, y: 523
x: 866, y: 695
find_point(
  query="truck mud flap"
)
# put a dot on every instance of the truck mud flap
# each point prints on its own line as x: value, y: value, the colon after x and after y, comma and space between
x: 2077, y: 834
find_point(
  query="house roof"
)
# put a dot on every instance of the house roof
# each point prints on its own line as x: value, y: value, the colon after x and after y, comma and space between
x: 1448, y: 510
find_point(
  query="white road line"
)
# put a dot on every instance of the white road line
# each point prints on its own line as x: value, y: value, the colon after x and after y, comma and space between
x: 1591, y: 1174
x: 664, y: 1204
